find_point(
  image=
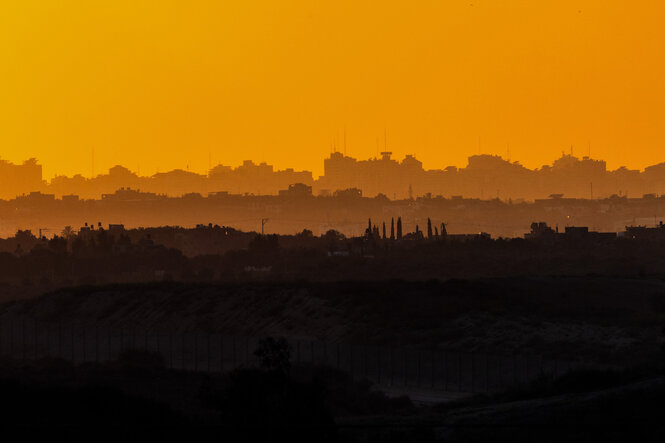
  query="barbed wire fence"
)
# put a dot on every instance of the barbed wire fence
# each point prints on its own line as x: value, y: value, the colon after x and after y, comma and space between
x: 386, y: 366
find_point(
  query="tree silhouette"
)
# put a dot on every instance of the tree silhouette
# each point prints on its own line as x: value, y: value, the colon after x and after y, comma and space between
x: 68, y: 232
x: 429, y: 228
x: 392, y: 228
x: 399, y: 228
x: 274, y: 354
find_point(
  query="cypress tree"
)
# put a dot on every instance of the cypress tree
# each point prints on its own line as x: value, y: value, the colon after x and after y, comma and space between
x: 429, y: 228
x: 399, y: 228
x: 392, y: 228
x: 384, y: 230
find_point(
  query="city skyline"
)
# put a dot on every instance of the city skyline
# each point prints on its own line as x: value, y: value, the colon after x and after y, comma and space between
x: 160, y: 86
x: 484, y: 176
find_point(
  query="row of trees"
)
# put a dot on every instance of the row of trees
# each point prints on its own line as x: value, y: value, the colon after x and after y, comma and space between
x: 372, y: 231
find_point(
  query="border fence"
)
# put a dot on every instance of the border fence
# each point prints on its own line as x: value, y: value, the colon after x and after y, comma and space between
x: 440, y: 370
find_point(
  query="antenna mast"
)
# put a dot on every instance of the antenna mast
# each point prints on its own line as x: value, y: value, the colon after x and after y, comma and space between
x: 344, y: 141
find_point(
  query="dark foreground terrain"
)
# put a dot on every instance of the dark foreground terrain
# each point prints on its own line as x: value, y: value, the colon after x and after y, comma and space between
x: 135, y: 398
x: 615, y: 321
x: 613, y: 325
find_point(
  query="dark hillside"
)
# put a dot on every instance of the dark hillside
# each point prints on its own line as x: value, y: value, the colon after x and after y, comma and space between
x: 607, y: 320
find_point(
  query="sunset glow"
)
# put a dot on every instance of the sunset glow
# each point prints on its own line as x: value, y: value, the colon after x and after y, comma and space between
x: 169, y: 84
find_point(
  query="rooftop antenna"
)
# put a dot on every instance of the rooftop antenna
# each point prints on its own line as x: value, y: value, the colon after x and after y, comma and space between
x: 589, y: 150
x: 345, y: 141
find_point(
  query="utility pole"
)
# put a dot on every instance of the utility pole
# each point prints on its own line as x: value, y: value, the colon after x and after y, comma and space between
x: 263, y: 223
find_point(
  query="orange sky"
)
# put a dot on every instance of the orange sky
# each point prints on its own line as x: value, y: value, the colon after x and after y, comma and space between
x: 165, y: 83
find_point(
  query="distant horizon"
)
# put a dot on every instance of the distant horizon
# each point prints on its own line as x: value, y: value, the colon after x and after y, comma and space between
x: 512, y: 160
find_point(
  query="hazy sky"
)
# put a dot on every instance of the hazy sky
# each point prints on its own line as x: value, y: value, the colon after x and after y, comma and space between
x: 167, y: 83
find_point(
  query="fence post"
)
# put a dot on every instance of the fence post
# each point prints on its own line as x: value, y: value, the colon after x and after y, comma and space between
x: 433, y: 370
x: 23, y: 339
x: 182, y: 345
x: 444, y: 357
x: 170, y: 349
x: 234, y: 361
x: 196, y: 352
x: 34, y: 327
x: 72, y: 336
x: 473, y: 372
x: 11, y: 338
x: 514, y: 370
x: 459, y: 371
x: 392, y: 366
x: 406, y: 368
x: 337, y: 355
x: 97, y: 344
x: 221, y: 353
x: 378, y: 364
x: 540, y: 359
x: 487, y: 372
